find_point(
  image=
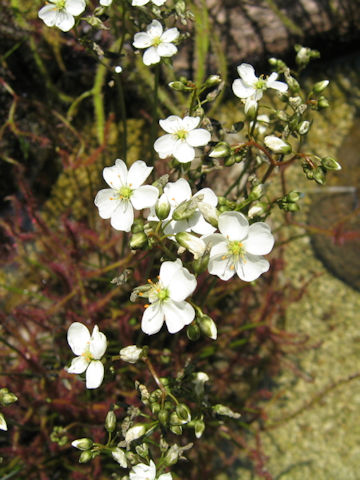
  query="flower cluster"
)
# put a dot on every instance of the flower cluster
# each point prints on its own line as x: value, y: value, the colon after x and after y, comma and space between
x: 61, y: 13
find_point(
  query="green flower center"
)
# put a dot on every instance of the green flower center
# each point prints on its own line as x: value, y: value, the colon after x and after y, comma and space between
x: 125, y: 192
x: 236, y: 248
x: 260, y: 84
x: 60, y: 4
x: 87, y: 355
x: 156, y: 41
x: 181, y: 134
x: 163, y: 294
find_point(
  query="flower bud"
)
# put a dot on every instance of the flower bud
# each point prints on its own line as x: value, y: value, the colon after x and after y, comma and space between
x: 229, y: 162
x: 319, y: 175
x: 110, y: 421
x: 183, y: 413
x: 82, y: 443
x: 293, y: 197
x: 135, y: 432
x: 199, y: 379
x: 142, y: 450
x: 162, y: 207
x: 200, y: 264
x: 137, y: 226
x: 119, y: 456
x: 178, y: 86
x: 192, y: 243
x: 175, y: 420
x: 210, y: 213
x: 163, y: 416
x: 155, y: 407
x: 295, y: 102
x: 207, y: 326
x: 251, y: 108
x: 293, y: 84
x: 212, y: 81
x: 277, y: 145
x: 304, y: 127
x: 320, y: 86
x: 130, y: 354
x: 85, y: 456
x: 256, y: 192
x: 172, y: 455
x: 3, y: 425
x: 226, y: 411
x: 256, y: 209
x: 199, y: 427
x: 138, y: 240
x: 177, y: 429
x: 281, y: 115
x: 329, y: 163
x: 8, y: 398
x: 220, y: 150
x: 193, y: 332
x: 323, y: 103
x: 184, y: 210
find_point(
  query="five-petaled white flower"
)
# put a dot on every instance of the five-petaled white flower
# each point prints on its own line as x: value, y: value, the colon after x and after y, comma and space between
x: 125, y: 194
x: 60, y: 13
x: 178, y: 192
x: 252, y: 87
x: 141, y: 3
x: 157, y: 42
x: 141, y: 471
x: 90, y: 350
x: 182, y: 136
x: 239, y: 247
x: 167, y: 298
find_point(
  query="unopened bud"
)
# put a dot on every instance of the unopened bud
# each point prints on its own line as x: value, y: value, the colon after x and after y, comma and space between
x: 3, y: 425
x: 119, y: 456
x: 193, y: 332
x: 184, y: 210
x: 210, y: 213
x: 256, y: 192
x: 320, y: 86
x: 207, y: 326
x: 293, y: 84
x: 163, y: 416
x: 295, y: 102
x: 183, y: 413
x: 229, y: 162
x: 192, y: 243
x: 330, y: 163
x: 199, y: 379
x: 293, y: 197
x: 175, y: 420
x: 177, y: 429
x: 323, y: 102
x: 138, y: 240
x: 110, y: 421
x: 82, y: 443
x: 85, y: 457
x: 172, y: 455
x: 135, y: 432
x: 277, y: 145
x: 212, y: 81
x: 220, y: 150
x: 162, y: 207
x: 199, y: 427
x: 304, y: 127
x: 251, y: 108
x: 319, y: 175
x: 225, y: 411
x: 130, y: 354
x: 8, y: 398
x: 256, y: 209
x: 178, y: 86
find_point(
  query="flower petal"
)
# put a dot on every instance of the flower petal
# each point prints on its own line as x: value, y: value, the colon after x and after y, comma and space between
x: 139, y: 3
x: 166, y: 49
x: 138, y: 173
x: 123, y: 216
x: 78, y: 337
x: 151, y: 56
x: 220, y: 265
x: 165, y: 145
x: 144, y: 197
x: 152, y: 319
x: 142, y: 40
x: 48, y: 15
x: 251, y: 267
x: 75, y: 7
x: 172, y: 124
x: 64, y: 20
x: 209, y: 196
x: 177, y: 192
x: 78, y: 365
x: 98, y: 343
x: 165, y: 476
x: 177, y: 315
x: 155, y: 29
x: 179, y: 281
x: 198, y: 224
x: 198, y: 137
x: 241, y: 90
x: 106, y: 202
x: 259, y: 240
x: 189, y: 123
x: 94, y: 374
x: 183, y: 152
x: 116, y: 176
x: 170, y: 35
x: 247, y: 74
x: 233, y: 225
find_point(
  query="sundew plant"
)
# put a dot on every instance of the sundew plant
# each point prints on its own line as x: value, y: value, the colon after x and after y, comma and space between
x: 153, y: 304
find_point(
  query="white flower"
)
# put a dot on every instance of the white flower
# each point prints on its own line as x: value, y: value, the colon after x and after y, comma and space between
x: 60, y: 13
x: 182, y: 136
x: 262, y: 122
x: 167, y: 298
x: 106, y: 3
x: 177, y: 193
x: 250, y: 86
x: 157, y: 43
x: 130, y: 354
x: 239, y: 247
x: 141, y: 3
x: 89, y: 349
x: 141, y: 471
x: 125, y: 194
